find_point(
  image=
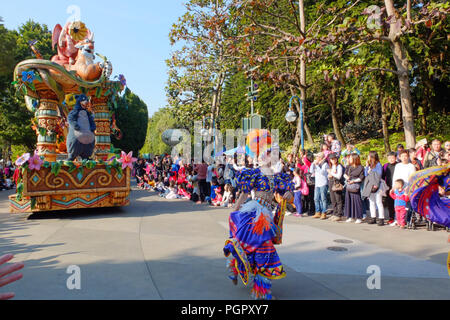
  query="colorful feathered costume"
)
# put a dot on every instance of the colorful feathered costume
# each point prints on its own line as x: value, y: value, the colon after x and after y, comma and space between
x: 254, y: 230
x: 424, y: 195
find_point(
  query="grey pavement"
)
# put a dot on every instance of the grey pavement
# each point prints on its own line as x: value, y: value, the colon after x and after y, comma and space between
x: 172, y: 249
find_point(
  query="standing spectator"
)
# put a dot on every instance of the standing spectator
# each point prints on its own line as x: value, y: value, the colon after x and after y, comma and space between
x: 308, y: 204
x: 413, y: 159
x: 326, y: 151
x: 354, y: 176
x: 229, y: 172
x: 447, y: 146
x: 300, y: 165
x: 372, y: 188
x: 290, y: 164
x: 433, y: 157
x: 335, y: 175
x: 202, y: 171
x: 300, y: 188
x: 400, y: 148
x: 335, y: 144
x: 388, y: 176
x: 210, y: 175
x: 422, y: 149
x: 319, y: 170
x: 304, y: 156
x: 348, y: 151
x: 398, y: 193
x: 404, y: 169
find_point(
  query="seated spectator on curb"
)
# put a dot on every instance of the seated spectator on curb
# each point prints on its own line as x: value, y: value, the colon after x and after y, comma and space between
x: 173, y: 191
x: 227, y: 199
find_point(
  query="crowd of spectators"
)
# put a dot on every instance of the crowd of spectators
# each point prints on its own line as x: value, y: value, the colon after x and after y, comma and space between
x: 332, y: 184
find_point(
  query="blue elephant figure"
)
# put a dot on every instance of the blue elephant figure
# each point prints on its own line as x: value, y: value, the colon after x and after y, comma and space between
x: 81, y: 137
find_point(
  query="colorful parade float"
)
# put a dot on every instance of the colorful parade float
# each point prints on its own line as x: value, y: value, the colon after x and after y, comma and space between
x: 53, y: 90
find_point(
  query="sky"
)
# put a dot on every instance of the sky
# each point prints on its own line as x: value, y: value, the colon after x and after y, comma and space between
x: 132, y: 34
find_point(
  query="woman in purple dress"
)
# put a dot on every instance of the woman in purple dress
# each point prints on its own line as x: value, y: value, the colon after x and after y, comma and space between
x: 354, y: 176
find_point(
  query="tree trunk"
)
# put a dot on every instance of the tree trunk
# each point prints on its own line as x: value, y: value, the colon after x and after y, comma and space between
x: 308, y: 132
x: 401, y: 62
x: 385, y: 124
x: 332, y: 99
x: 216, y: 99
x: 300, y: 129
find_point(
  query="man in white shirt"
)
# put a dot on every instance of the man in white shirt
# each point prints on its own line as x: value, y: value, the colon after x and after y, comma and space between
x: 404, y: 170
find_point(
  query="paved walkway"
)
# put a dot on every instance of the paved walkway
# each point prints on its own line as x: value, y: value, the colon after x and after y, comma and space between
x: 161, y: 249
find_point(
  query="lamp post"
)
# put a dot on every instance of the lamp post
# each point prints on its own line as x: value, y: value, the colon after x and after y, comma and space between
x: 291, y: 117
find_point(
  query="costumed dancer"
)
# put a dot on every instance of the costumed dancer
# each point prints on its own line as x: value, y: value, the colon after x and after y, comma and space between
x: 429, y: 192
x: 254, y: 229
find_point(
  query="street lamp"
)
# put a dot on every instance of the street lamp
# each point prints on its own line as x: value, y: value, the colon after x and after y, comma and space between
x: 291, y: 116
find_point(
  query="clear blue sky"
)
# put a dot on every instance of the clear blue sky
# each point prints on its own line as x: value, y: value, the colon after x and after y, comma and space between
x: 133, y: 35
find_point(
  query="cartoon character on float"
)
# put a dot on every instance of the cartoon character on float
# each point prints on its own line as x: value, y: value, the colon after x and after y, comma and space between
x: 81, y: 137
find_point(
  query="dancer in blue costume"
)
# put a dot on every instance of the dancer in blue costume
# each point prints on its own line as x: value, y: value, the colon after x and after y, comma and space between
x: 424, y: 194
x: 254, y: 229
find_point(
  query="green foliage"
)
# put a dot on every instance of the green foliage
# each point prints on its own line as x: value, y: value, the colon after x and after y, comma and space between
x: 132, y: 119
x: 15, y: 119
x: 162, y: 120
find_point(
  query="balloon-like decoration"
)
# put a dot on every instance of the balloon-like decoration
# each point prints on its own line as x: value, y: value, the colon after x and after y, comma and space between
x: 424, y: 194
x: 258, y: 142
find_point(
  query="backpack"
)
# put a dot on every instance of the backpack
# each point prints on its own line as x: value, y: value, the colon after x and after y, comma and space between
x: 310, y: 180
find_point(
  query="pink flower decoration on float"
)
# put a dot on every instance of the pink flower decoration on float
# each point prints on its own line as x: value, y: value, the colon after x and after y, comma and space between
x: 22, y: 159
x: 127, y: 160
x: 35, y: 162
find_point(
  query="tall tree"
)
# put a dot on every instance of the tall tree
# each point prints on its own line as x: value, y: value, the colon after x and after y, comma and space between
x: 198, y: 70
x: 132, y: 119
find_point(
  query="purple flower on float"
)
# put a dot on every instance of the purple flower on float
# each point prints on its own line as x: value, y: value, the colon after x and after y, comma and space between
x: 28, y: 76
x: 122, y: 80
x: 35, y: 162
x: 22, y: 159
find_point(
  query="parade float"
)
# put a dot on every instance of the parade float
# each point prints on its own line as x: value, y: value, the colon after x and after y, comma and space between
x: 47, y: 180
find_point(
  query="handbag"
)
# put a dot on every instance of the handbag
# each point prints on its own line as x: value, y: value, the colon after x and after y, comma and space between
x: 354, y: 187
x: 337, y: 186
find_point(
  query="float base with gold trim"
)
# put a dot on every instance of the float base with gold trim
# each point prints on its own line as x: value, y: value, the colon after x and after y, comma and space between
x: 79, y: 189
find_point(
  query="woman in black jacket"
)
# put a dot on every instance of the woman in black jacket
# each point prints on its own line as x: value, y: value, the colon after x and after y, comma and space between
x: 354, y: 176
